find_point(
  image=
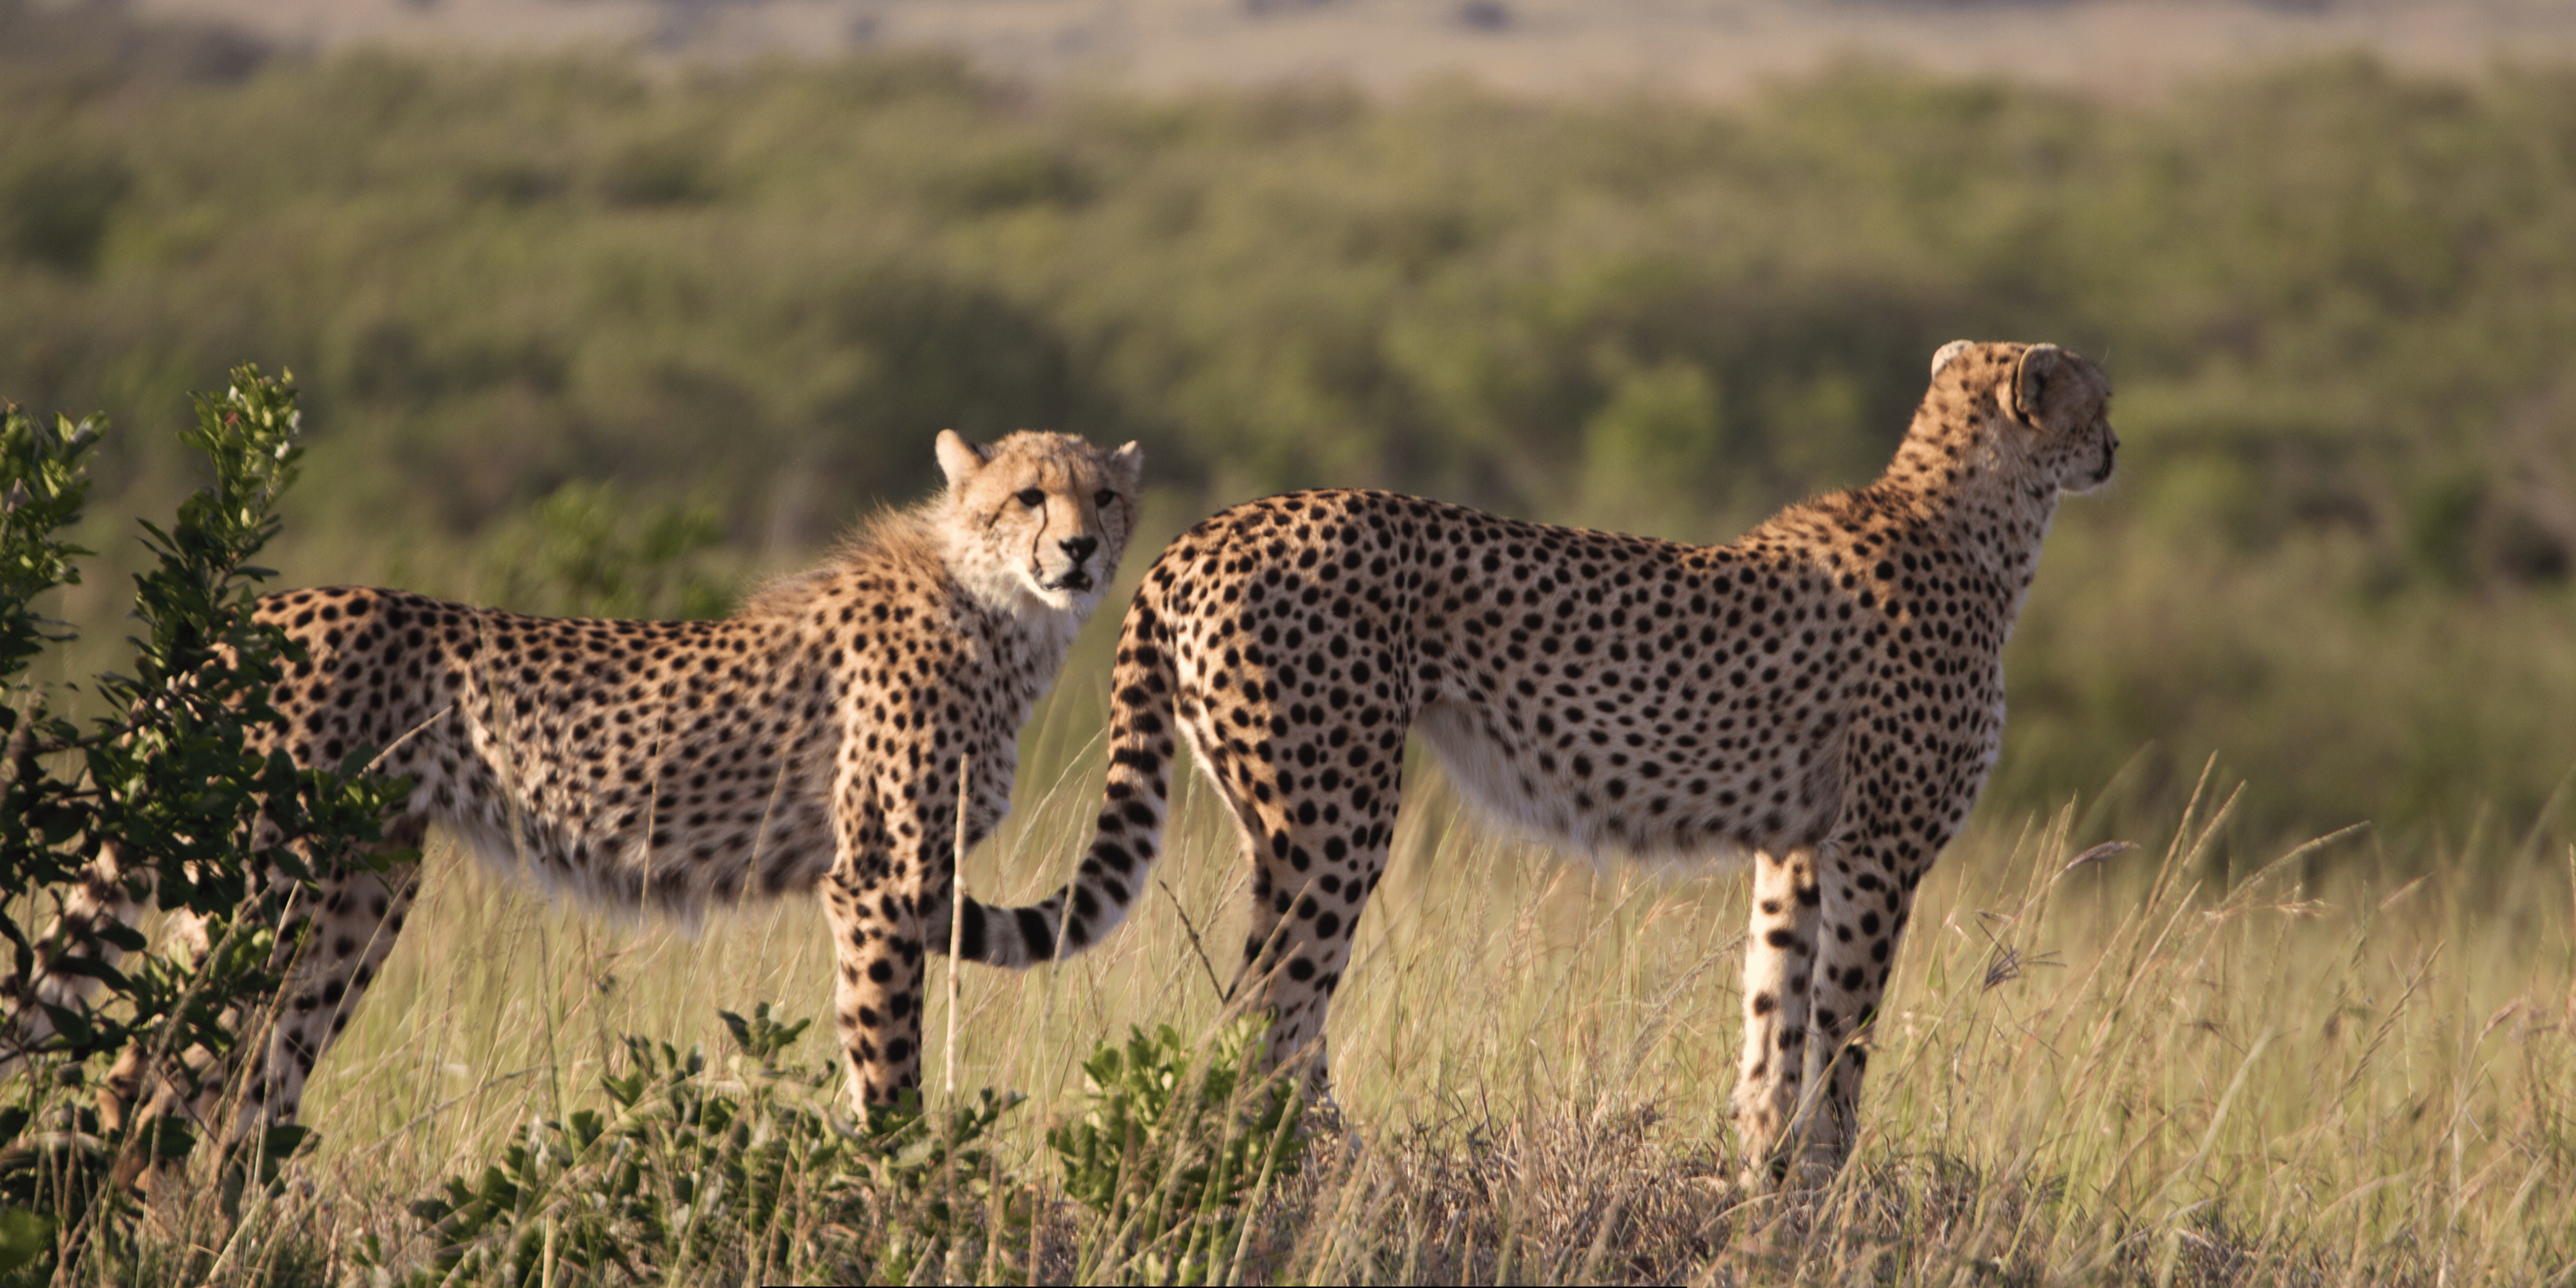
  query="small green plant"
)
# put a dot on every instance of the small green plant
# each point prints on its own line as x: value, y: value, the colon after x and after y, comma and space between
x: 1174, y: 1149
x: 932, y: 1179
x: 747, y: 1171
x: 172, y: 782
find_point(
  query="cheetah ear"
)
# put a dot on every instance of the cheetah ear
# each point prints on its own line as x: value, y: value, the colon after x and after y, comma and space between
x: 1942, y: 357
x: 1128, y: 463
x: 2038, y: 376
x: 958, y: 459
x: 2057, y: 390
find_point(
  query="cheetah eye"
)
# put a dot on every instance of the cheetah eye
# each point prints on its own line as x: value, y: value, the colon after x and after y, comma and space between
x: 1032, y: 497
x: 1103, y: 497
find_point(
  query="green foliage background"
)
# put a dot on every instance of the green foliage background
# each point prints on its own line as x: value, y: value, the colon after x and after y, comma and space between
x: 2336, y: 302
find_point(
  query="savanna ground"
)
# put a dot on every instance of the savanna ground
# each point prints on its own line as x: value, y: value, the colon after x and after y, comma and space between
x: 586, y: 338
x: 2119, y: 1073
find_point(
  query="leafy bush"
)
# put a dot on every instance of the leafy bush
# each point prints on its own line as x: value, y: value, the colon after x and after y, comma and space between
x: 54, y: 209
x: 1175, y: 1149
x: 172, y: 782
x: 749, y: 1172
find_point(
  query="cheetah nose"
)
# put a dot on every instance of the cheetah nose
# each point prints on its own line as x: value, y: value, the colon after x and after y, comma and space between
x: 1079, y: 549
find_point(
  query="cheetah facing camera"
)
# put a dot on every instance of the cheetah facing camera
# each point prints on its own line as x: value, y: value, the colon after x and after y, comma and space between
x: 809, y: 742
x: 1826, y: 692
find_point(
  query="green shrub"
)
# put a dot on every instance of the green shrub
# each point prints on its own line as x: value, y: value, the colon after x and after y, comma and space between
x: 172, y: 781
x: 1174, y: 1150
x: 595, y: 550
x: 747, y: 1171
x: 54, y: 209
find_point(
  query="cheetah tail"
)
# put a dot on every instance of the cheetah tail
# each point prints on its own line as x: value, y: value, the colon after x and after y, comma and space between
x: 1129, y: 829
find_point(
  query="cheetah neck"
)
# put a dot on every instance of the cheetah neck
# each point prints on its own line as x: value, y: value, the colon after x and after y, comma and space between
x: 1042, y: 627
x: 1046, y: 630
x: 1972, y: 502
x: 927, y: 543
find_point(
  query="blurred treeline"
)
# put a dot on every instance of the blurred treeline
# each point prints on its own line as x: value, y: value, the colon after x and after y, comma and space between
x: 736, y: 304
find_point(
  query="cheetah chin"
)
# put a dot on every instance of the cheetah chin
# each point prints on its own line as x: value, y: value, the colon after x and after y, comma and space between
x: 1825, y: 692
x: 811, y: 742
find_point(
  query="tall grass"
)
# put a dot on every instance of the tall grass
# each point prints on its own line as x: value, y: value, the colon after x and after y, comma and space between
x: 2135, y: 1069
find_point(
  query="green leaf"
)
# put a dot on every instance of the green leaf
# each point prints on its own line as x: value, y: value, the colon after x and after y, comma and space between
x: 24, y: 1236
x: 280, y: 1142
x: 171, y: 1138
x: 92, y: 968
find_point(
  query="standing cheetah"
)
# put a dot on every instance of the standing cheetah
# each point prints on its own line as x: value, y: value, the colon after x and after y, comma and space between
x: 809, y: 742
x: 1826, y: 692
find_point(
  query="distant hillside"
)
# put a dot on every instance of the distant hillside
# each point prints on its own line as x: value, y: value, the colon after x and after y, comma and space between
x: 2337, y: 300
x: 1712, y: 47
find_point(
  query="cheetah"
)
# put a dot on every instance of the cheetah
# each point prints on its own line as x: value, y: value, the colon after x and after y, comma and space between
x: 1825, y: 694
x: 811, y: 742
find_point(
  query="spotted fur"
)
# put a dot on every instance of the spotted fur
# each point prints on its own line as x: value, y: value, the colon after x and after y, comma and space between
x: 809, y: 743
x: 1826, y: 692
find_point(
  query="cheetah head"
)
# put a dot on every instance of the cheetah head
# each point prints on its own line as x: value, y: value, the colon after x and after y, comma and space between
x: 2044, y: 412
x: 1039, y: 520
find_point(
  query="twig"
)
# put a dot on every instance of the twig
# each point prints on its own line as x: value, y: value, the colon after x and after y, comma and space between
x: 1224, y: 995
x: 956, y: 911
x: 408, y: 735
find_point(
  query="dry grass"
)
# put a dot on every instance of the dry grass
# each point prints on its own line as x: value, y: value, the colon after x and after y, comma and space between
x: 2108, y: 1072
x: 2096, y: 1070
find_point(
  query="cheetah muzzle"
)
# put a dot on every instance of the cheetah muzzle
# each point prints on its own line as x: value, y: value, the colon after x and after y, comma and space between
x: 1825, y: 693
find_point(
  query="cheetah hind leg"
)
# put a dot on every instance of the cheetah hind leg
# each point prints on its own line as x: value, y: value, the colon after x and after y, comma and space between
x: 97, y: 902
x: 1779, y: 968
x: 353, y: 921
x: 1310, y: 882
x: 1263, y: 973
x: 341, y: 937
x: 1265, y: 944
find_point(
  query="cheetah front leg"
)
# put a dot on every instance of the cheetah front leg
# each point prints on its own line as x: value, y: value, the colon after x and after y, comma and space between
x: 1779, y: 966
x: 876, y: 995
x: 897, y: 860
x: 1864, y: 911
